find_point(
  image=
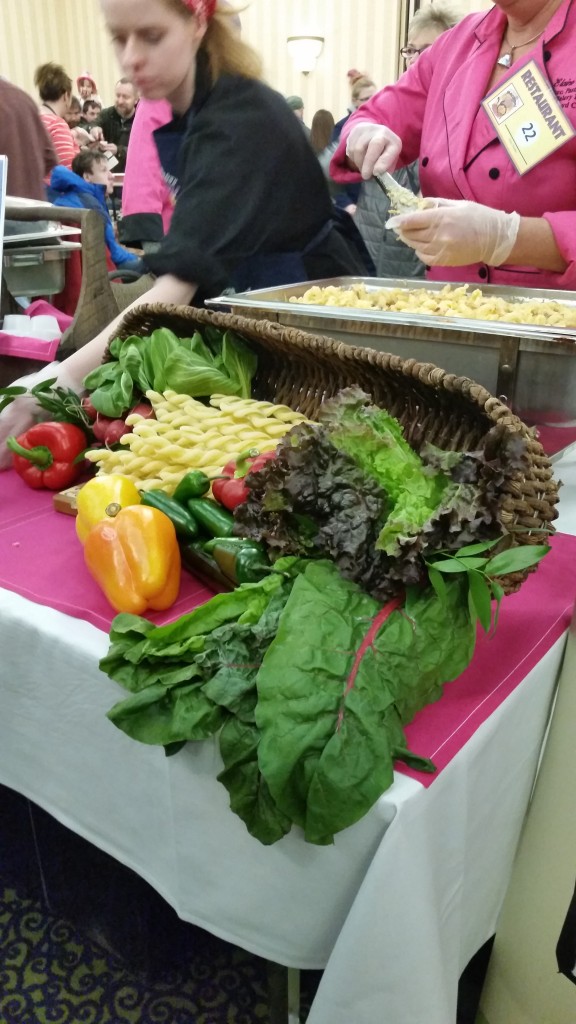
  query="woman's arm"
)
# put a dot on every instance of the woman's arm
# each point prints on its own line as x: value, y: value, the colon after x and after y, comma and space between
x: 166, y: 289
x: 23, y: 411
x: 536, y: 246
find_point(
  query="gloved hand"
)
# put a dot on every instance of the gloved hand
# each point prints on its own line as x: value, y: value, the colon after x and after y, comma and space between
x: 24, y: 410
x: 456, y: 232
x: 373, y: 148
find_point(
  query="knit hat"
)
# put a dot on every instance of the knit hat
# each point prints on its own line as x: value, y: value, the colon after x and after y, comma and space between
x: 85, y: 75
x: 295, y: 102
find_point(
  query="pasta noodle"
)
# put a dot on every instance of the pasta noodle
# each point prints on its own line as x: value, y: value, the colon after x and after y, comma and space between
x: 186, y: 434
x: 448, y: 301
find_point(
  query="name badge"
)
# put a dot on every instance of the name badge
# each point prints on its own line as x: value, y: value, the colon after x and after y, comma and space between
x: 527, y: 117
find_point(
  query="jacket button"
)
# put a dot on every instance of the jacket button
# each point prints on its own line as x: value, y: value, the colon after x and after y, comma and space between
x: 547, y: 55
x: 483, y: 273
x: 493, y: 173
x: 425, y: 161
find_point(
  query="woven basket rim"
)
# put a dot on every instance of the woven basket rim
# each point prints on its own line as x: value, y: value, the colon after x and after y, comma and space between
x: 437, y: 377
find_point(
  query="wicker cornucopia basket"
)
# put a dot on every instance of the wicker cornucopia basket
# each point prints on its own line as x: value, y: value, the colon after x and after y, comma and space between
x: 454, y: 413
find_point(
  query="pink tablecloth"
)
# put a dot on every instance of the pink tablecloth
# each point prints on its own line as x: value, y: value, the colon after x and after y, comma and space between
x: 41, y: 558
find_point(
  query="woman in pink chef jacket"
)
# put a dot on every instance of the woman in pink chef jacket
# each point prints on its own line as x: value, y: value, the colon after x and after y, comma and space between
x: 491, y: 224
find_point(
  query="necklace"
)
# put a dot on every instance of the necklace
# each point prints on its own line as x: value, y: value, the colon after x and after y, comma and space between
x: 51, y: 109
x: 506, y: 59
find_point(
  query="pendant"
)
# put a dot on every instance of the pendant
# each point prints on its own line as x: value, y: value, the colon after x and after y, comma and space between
x: 505, y: 60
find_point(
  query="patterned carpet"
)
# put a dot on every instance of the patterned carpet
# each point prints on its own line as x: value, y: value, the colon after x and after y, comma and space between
x: 83, y: 940
x: 53, y: 974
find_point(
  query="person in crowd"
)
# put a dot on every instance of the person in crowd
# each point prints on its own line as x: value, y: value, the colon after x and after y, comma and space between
x: 87, y: 185
x: 114, y: 123
x: 321, y: 130
x: 147, y: 203
x: 361, y: 89
x: 73, y: 118
x: 485, y: 222
x: 87, y: 88
x: 24, y: 140
x: 237, y: 222
x: 296, y: 104
x: 392, y: 258
x: 55, y: 89
x: 74, y: 113
x: 90, y: 113
x: 321, y: 139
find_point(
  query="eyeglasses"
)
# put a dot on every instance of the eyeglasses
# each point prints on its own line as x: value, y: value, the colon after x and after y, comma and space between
x: 411, y: 51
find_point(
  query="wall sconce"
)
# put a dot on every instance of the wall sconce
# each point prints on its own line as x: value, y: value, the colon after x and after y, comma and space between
x: 304, y: 51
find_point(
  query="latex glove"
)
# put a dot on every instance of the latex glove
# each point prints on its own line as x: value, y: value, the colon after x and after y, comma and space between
x: 24, y: 410
x: 456, y: 232
x: 373, y: 148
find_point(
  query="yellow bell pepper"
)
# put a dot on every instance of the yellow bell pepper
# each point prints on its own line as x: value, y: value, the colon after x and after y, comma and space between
x: 97, y: 495
x: 135, y: 558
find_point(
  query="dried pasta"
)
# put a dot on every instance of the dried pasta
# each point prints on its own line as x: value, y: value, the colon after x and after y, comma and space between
x: 187, y: 434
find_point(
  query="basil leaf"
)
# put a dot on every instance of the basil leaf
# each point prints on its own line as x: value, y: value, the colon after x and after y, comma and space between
x: 516, y: 559
x: 481, y: 599
x: 437, y: 582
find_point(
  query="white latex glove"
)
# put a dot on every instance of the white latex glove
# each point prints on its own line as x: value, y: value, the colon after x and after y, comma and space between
x: 373, y: 148
x: 456, y: 232
x: 24, y: 410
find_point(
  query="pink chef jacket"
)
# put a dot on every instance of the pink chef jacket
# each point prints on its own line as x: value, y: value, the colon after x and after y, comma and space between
x: 435, y: 109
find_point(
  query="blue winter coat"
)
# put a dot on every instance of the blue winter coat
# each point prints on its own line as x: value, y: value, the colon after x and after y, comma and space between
x: 69, y: 189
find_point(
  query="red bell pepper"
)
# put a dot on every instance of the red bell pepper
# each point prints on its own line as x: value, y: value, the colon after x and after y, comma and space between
x: 45, y: 455
x: 230, y: 489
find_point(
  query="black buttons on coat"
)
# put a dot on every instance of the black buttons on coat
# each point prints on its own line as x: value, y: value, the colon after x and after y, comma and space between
x: 425, y: 161
x: 483, y: 273
x: 547, y: 55
x: 493, y: 173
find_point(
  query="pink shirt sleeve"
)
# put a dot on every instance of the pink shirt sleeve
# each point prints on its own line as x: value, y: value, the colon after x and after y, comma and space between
x: 63, y: 141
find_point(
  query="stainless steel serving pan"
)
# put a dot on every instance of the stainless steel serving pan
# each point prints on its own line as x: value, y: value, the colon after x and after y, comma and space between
x: 530, y: 367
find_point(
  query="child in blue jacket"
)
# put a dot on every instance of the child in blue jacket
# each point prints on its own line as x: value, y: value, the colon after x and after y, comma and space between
x: 87, y: 185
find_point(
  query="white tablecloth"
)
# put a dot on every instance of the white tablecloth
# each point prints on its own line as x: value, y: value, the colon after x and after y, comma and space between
x: 393, y: 911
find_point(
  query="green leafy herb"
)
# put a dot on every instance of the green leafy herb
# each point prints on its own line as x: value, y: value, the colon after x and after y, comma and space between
x: 222, y: 364
x: 480, y: 573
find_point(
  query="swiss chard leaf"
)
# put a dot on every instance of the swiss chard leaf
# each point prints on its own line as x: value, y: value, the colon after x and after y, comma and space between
x: 163, y: 716
x: 326, y: 747
x: 250, y: 795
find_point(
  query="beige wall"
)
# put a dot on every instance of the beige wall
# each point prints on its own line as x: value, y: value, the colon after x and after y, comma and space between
x: 358, y: 33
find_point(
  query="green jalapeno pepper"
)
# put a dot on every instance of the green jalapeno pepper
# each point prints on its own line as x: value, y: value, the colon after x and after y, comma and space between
x: 183, y: 521
x: 193, y: 485
x: 211, y: 518
x: 241, y: 560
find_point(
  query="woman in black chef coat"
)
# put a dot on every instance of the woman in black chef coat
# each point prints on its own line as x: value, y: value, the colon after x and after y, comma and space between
x: 252, y: 205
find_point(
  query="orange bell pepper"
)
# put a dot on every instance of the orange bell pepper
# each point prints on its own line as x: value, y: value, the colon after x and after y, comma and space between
x: 135, y: 558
